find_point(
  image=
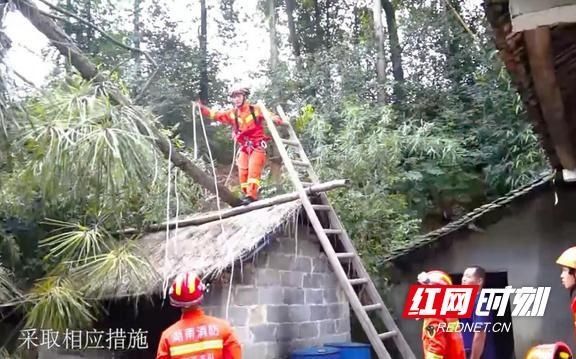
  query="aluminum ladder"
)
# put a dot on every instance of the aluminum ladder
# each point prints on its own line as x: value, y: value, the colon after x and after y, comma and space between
x: 348, y: 254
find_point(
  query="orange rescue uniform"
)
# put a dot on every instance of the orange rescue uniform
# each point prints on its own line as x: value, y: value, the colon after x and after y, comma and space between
x: 573, y: 310
x: 441, y: 340
x: 199, y: 336
x: 248, y: 124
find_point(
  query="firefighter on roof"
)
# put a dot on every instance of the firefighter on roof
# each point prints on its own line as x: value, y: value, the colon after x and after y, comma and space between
x: 247, y: 123
x: 196, y: 335
x: 568, y: 276
x: 440, y: 339
x: 557, y: 350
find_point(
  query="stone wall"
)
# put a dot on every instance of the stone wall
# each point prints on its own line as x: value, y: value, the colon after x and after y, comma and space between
x: 287, y: 297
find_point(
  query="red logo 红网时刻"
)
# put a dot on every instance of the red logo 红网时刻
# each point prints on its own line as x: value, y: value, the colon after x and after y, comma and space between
x: 457, y: 301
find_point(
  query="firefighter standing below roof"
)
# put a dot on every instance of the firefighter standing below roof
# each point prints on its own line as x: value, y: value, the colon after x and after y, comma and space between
x: 196, y: 335
x: 247, y: 122
x: 568, y: 276
x: 440, y: 339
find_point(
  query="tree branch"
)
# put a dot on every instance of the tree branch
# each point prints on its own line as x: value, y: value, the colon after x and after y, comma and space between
x: 89, y: 71
x: 109, y: 37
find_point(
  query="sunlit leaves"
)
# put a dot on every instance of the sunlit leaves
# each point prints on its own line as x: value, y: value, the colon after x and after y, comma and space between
x: 76, y: 243
x: 119, y: 272
x: 57, y: 304
x: 81, y: 143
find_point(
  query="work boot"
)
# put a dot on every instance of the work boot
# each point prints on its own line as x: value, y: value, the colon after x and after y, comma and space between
x: 247, y: 200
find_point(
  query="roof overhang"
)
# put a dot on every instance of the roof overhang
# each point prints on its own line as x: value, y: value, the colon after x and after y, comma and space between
x: 531, y: 14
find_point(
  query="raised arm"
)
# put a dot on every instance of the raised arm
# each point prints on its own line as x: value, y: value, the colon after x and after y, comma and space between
x: 220, y: 116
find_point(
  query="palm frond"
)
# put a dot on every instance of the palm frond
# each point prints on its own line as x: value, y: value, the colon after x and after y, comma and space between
x: 56, y: 303
x: 120, y: 272
x: 81, y: 143
x: 77, y: 243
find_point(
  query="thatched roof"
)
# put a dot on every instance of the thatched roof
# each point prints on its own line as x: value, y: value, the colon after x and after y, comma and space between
x: 211, y: 248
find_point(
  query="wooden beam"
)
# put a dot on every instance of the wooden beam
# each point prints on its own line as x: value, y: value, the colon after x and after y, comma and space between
x: 540, y: 55
x: 269, y: 202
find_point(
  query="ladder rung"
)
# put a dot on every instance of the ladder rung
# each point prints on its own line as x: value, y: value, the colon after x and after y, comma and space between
x: 301, y: 163
x: 358, y: 281
x: 344, y: 255
x: 388, y: 335
x: 372, y: 307
x: 321, y: 207
x: 332, y: 231
x: 291, y: 142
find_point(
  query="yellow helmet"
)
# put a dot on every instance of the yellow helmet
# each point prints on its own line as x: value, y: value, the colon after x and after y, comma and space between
x: 558, y: 350
x: 434, y: 277
x: 568, y: 258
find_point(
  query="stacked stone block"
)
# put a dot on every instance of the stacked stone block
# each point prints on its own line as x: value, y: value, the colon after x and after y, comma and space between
x: 286, y: 298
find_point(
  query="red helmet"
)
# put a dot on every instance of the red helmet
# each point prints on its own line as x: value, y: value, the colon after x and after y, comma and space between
x: 434, y: 277
x: 558, y: 350
x: 240, y: 90
x: 186, y: 290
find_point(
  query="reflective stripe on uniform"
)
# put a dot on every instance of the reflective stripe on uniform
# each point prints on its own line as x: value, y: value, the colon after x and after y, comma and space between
x: 196, y: 347
x: 255, y: 181
x: 243, y: 185
x: 429, y: 355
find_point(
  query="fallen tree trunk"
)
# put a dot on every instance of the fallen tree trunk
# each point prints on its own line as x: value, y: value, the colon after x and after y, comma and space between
x: 269, y: 202
x: 88, y: 70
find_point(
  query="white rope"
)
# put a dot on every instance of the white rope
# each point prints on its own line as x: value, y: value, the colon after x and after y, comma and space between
x: 233, y: 163
x: 165, y: 282
x: 217, y: 203
x: 177, y: 202
x: 194, y: 132
x: 211, y: 165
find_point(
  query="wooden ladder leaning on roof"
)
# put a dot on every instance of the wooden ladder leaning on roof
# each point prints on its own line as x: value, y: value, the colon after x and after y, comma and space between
x: 347, y: 252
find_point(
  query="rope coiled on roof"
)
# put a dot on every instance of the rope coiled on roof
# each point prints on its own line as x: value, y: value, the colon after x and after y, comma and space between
x: 470, y: 217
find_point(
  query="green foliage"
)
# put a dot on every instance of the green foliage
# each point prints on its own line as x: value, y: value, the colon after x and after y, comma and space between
x: 382, y: 161
x: 56, y: 303
x: 83, y: 168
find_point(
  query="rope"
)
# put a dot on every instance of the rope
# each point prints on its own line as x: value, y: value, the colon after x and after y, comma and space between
x: 165, y: 281
x: 469, y: 217
x: 195, y: 106
x: 194, y: 132
x: 232, y: 165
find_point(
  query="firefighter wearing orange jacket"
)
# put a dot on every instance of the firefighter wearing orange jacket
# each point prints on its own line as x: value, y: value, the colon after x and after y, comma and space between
x: 440, y: 340
x: 247, y: 122
x: 568, y: 276
x: 196, y: 335
x: 557, y: 350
